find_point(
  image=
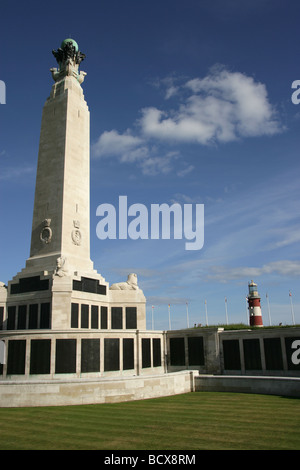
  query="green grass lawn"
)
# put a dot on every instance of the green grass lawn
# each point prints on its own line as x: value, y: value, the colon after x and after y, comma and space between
x: 193, y: 421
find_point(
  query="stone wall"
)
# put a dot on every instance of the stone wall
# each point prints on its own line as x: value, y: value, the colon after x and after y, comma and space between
x: 285, y: 386
x: 89, y: 391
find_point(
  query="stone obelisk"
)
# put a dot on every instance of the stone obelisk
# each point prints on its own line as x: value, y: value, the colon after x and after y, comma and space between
x: 60, y: 226
x: 59, y: 289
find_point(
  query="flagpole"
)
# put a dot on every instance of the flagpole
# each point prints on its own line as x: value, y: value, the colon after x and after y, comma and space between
x: 269, y: 310
x: 226, y: 312
x: 187, y: 314
x: 152, y: 317
x: 206, y: 313
x: 292, y: 308
x: 169, y: 307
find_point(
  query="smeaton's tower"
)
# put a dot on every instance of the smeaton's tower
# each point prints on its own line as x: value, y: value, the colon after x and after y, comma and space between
x: 58, y: 314
x: 255, y: 316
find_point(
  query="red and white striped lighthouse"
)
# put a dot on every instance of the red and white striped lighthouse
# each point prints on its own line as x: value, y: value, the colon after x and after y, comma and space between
x: 254, y: 305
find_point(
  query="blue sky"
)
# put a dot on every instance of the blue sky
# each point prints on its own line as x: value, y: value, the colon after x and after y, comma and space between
x: 190, y: 102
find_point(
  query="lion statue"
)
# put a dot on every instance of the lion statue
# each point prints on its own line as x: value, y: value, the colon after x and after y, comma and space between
x: 61, y: 267
x: 130, y: 284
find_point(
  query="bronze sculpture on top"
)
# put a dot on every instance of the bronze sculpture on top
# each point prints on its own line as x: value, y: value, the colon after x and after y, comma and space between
x: 68, y: 58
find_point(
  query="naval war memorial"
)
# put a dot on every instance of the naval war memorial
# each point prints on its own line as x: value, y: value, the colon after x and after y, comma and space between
x: 67, y: 335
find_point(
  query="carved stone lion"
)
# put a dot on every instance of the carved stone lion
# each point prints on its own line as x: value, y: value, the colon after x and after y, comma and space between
x: 61, y: 267
x: 130, y: 284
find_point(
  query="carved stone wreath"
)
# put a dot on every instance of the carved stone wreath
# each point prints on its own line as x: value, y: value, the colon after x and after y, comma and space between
x: 76, y: 234
x: 46, y: 232
x: 76, y: 237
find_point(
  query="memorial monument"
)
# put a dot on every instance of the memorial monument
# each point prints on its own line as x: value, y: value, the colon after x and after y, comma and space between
x: 59, y: 292
x: 66, y: 335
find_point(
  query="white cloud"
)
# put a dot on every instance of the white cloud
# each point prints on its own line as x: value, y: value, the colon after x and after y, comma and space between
x: 224, y: 106
x: 129, y: 148
x: 248, y: 109
x: 170, y: 84
x: 155, y: 164
x: 281, y: 268
x: 171, y: 91
x: 113, y: 143
x: 185, y: 171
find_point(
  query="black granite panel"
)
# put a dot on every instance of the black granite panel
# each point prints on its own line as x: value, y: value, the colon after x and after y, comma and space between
x: 252, y: 354
x: 231, y: 351
x: 146, y: 352
x: 77, y: 285
x: 87, y: 284
x: 177, y: 352
x: 104, y: 318
x: 29, y: 284
x: 128, y: 353
x: 101, y: 290
x: 45, y: 321
x: 111, y: 354
x: 65, y: 358
x: 116, y: 318
x: 1, y: 317
x: 273, y: 354
x: 131, y: 318
x: 11, y: 317
x: 16, y: 357
x: 74, y: 315
x: 95, y: 317
x: 156, y: 348
x: 40, y: 354
x: 84, y: 316
x: 90, y: 355
x: 196, y: 351
x: 33, y: 317
x: 22, y: 315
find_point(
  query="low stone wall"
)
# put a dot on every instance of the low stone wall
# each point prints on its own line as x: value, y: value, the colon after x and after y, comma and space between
x: 91, y: 391
x: 285, y: 386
